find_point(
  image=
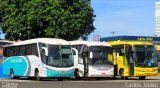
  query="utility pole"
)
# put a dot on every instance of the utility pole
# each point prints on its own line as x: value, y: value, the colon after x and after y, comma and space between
x: 113, y: 33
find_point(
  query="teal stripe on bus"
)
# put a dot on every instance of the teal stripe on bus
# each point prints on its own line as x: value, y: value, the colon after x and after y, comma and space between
x: 53, y: 73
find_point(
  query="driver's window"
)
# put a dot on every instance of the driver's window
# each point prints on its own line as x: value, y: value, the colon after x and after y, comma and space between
x: 119, y: 49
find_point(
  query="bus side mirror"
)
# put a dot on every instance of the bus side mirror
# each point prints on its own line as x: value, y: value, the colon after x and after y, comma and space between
x: 74, y: 51
x: 117, y: 55
x: 45, y: 50
x: 91, y: 55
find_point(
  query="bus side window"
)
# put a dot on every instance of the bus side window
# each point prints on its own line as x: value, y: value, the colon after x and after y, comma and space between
x: 115, y: 49
x: 44, y: 59
x: 80, y: 59
x: 34, y: 49
x: 119, y: 49
x: 22, y: 50
x: 16, y: 51
x: 11, y: 51
x: 29, y: 50
x: 121, y: 52
x: 5, y: 52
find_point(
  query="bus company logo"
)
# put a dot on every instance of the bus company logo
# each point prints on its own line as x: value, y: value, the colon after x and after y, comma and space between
x: 144, y: 39
x: 16, y: 61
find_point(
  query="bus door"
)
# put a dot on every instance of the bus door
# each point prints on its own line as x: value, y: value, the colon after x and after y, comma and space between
x: 120, y: 59
x: 85, y: 53
x: 130, y: 59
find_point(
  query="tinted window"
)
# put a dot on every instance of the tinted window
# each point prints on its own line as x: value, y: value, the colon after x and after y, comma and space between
x: 22, y: 50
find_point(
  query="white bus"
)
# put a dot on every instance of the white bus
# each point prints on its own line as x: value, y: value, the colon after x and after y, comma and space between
x: 39, y: 58
x: 92, y: 59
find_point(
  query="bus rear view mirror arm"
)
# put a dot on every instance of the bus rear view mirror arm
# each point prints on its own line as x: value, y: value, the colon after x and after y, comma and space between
x: 46, y: 50
x: 91, y: 55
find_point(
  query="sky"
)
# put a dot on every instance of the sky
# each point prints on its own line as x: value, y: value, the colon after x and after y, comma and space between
x: 124, y: 17
x: 1, y: 34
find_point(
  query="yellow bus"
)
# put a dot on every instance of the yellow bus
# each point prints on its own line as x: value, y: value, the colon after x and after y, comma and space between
x: 134, y: 59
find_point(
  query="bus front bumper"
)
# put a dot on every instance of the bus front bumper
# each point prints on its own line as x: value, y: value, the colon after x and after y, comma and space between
x: 101, y: 74
x: 146, y: 72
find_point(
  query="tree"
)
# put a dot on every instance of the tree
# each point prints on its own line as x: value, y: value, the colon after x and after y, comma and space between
x: 66, y: 19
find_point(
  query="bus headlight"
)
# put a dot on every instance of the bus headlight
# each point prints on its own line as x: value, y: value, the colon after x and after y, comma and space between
x: 155, y: 70
x: 111, y: 70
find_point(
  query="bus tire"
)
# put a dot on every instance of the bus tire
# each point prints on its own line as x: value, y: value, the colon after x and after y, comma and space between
x: 115, y: 70
x: 77, y: 75
x: 31, y: 78
x: 126, y: 78
x: 37, y: 76
x: 12, y: 75
x: 60, y: 79
x: 121, y: 73
x: 98, y: 78
x: 114, y: 77
x: 142, y: 77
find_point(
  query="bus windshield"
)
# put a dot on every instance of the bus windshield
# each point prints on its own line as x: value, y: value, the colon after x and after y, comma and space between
x: 145, y: 56
x: 101, y: 55
x: 60, y: 56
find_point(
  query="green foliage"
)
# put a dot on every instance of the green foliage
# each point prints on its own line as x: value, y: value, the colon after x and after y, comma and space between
x: 66, y: 19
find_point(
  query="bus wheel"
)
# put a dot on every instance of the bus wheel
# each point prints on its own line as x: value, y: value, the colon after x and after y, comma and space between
x: 37, y: 76
x: 12, y: 74
x: 31, y: 78
x: 60, y: 79
x: 98, y: 78
x: 121, y: 74
x: 77, y: 75
x: 114, y: 77
x: 142, y: 77
x: 126, y: 78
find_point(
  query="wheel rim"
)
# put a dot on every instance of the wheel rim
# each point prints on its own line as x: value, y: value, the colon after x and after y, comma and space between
x: 122, y: 73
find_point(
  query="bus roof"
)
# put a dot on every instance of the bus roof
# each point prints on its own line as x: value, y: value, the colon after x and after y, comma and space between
x: 89, y: 43
x: 52, y: 41
x: 6, y: 41
x: 118, y: 42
